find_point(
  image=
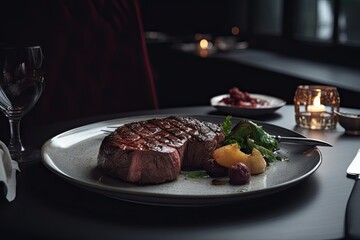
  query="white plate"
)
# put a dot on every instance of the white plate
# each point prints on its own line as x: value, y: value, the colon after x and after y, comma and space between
x: 73, y: 156
x: 274, y: 104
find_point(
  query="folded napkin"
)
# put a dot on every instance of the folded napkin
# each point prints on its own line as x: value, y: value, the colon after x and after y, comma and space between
x: 8, y: 168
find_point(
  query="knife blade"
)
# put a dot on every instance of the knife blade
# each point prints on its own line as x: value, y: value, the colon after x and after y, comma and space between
x: 352, y: 225
x: 302, y: 140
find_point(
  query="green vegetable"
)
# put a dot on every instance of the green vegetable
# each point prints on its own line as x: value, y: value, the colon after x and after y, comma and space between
x: 226, y: 126
x: 249, y: 135
x: 196, y: 174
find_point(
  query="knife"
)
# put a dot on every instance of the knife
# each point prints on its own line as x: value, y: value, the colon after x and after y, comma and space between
x: 302, y: 140
x: 353, y: 204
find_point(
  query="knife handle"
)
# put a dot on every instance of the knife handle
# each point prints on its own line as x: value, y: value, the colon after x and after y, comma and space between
x: 353, y: 213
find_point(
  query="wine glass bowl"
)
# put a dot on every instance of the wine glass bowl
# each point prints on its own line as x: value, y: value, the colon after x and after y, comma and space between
x: 22, y: 80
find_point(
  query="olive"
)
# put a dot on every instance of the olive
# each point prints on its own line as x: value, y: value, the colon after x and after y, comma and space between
x: 214, y: 169
x: 239, y: 174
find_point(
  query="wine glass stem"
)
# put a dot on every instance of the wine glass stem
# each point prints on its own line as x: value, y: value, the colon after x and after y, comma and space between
x: 15, y: 145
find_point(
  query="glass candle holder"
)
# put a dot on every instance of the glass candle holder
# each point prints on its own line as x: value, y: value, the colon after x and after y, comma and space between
x: 315, y: 106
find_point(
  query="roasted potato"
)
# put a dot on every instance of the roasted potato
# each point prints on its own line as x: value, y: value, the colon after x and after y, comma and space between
x: 231, y: 154
x: 256, y: 162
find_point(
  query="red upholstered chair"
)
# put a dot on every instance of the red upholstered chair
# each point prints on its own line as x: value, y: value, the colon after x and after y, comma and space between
x: 95, y: 55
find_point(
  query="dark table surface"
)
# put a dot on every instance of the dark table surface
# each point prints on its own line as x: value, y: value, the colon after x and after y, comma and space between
x: 47, y: 207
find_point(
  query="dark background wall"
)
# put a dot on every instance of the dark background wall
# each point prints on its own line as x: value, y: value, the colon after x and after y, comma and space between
x: 181, y: 18
x: 184, y: 79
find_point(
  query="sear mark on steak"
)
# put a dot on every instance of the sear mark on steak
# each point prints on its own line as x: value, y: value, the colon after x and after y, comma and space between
x: 156, y: 150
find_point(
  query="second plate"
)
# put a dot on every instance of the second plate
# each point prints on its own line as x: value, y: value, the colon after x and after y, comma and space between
x: 274, y: 104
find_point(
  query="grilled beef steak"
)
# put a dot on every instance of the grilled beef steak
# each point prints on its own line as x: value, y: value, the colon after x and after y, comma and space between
x: 154, y: 151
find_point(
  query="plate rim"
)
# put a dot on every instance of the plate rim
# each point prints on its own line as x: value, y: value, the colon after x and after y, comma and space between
x: 176, y: 200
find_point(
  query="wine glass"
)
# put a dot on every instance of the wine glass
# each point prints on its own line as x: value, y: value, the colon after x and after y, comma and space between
x: 21, y: 83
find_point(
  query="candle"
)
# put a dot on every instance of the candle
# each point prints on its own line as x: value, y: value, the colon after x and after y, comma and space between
x: 205, y: 48
x: 317, y: 108
x: 204, y: 44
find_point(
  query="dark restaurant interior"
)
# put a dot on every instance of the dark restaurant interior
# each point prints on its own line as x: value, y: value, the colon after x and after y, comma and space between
x: 285, y: 43
x: 108, y: 57
x: 265, y: 47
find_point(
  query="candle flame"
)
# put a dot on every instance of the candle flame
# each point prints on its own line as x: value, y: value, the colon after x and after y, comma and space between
x: 317, y: 107
x: 204, y: 44
x: 317, y: 99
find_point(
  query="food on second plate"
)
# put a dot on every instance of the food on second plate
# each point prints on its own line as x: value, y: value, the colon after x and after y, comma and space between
x: 156, y: 150
x: 243, y: 99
